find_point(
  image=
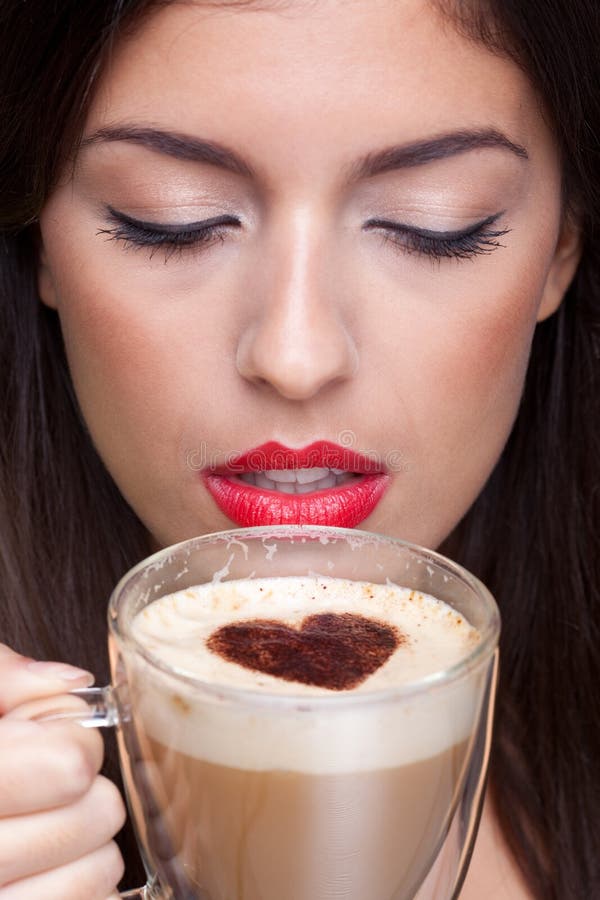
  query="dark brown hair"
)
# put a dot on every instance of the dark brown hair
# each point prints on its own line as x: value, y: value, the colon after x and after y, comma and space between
x: 66, y: 534
x: 534, y: 533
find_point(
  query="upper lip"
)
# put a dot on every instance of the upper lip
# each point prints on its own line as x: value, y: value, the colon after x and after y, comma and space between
x: 319, y: 454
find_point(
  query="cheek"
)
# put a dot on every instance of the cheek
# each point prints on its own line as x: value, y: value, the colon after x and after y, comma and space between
x: 129, y: 369
x: 108, y: 347
x: 477, y: 377
x: 460, y: 359
x: 481, y: 361
x: 476, y: 356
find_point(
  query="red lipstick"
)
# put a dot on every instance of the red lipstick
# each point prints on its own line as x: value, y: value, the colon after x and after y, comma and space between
x: 335, y: 486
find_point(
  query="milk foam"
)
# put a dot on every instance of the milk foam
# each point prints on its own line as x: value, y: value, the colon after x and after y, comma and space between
x: 295, y: 727
x: 175, y: 628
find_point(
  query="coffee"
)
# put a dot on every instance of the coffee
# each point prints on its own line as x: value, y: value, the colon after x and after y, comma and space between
x: 298, y: 774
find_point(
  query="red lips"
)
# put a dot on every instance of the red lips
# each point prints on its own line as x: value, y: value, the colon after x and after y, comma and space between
x: 344, y: 506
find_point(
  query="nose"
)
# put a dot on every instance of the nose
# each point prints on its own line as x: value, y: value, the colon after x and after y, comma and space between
x: 297, y: 342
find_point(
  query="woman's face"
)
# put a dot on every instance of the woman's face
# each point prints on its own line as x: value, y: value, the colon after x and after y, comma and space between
x: 386, y: 204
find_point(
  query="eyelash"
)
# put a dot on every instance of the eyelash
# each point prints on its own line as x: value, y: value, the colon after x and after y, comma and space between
x: 478, y: 239
x: 169, y: 238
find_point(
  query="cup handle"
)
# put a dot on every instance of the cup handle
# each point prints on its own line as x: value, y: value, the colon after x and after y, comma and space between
x: 102, y: 712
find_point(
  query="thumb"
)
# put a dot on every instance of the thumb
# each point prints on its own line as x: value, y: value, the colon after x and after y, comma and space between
x: 23, y: 679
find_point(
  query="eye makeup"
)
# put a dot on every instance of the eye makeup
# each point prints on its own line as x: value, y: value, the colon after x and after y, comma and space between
x: 477, y: 239
x: 137, y: 234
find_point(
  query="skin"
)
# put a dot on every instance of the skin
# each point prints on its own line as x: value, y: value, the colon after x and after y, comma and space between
x: 57, y: 815
x: 302, y: 324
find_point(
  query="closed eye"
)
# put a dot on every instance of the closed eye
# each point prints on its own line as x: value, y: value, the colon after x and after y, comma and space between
x: 479, y: 238
x: 136, y: 233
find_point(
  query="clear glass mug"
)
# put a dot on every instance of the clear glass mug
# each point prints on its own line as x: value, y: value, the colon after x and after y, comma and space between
x: 210, y: 829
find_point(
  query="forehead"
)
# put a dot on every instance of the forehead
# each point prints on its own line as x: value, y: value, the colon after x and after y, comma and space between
x: 315, y: 74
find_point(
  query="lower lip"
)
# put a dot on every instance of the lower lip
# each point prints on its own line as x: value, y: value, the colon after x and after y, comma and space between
x: 344, y: 507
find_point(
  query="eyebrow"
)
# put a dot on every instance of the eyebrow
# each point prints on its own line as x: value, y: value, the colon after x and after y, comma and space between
x: 418, y: 153
x: 443, y: 147
x: 170, y: 143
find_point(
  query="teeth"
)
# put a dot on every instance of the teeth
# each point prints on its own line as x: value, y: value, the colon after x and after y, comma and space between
x: 262, y: 481
x: 305, y: 488
x: 286, y: 488
x: 325, y: 483
x: 297, y: 481
x: 281, y: 474
x: 305, y: 476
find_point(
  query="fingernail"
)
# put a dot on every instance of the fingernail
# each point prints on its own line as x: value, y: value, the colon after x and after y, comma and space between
x: 61, y: 671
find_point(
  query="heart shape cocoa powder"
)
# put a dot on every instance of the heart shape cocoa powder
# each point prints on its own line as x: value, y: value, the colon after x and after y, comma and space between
x: 330, y: 650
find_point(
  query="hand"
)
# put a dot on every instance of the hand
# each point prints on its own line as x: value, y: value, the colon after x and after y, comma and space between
x: 57, y: 815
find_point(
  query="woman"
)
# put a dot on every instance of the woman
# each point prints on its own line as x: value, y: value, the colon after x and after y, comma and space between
x: 375, y: 224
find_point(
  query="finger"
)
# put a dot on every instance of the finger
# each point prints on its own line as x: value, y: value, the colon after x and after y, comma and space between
x: 93, y: 877
x: 22, y: 679
x: 46, y: 840
x: 45, y: 766
x: 58, y: 706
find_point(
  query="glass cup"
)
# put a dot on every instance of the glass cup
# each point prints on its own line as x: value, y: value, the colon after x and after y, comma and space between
x: 366, y: 807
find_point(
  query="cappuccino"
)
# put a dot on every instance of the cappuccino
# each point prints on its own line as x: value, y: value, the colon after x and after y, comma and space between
x: 301, y: 764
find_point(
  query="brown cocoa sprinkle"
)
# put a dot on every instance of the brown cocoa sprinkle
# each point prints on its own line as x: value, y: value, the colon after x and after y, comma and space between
x: 337, y: 651
x: 180, y: 703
